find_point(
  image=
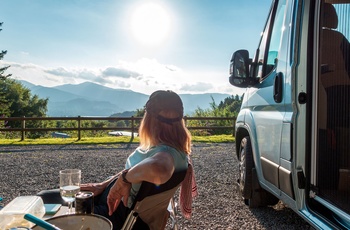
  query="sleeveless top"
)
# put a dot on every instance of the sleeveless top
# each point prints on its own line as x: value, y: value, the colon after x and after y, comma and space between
x: 180, y: 163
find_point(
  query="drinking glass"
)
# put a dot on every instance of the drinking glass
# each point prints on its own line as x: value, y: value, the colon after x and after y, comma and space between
x: 69, y: 185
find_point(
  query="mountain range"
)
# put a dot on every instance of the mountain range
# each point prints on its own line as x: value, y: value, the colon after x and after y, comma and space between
x: 90, y: 99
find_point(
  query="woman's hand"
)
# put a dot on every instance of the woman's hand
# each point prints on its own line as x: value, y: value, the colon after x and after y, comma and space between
x: 120, y: 190
x: 96, y: 188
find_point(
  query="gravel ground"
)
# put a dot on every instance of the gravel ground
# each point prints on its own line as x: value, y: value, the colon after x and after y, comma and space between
x: 26, y: 170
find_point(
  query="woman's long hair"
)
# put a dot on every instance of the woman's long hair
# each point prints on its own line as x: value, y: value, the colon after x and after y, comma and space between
x: 153, y: 132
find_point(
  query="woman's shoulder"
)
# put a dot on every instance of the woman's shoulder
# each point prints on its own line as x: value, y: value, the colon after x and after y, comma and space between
x: 175, y: 153
x: 179, y: 156
x: 166, y: 148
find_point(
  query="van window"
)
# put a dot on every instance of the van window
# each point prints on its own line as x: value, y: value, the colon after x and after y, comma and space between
x: 276, y: 34
x: 343, y: 12
x: 269, y: 46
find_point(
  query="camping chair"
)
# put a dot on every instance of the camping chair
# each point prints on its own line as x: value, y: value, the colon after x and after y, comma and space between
x: 154, y: 204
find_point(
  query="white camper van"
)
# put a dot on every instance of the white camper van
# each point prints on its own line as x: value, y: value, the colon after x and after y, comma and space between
x: 293, y: 129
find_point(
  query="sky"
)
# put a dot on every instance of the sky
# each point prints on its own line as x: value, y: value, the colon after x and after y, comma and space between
x: 138, y: 45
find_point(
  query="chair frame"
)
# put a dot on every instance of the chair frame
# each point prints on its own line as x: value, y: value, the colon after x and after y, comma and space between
x: 151, y: 191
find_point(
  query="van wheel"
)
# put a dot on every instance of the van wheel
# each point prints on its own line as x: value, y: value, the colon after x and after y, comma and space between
x: 246, y: 164
x: 253, y: 195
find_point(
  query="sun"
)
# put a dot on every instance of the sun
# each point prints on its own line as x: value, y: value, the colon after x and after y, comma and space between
x: 150, y: 24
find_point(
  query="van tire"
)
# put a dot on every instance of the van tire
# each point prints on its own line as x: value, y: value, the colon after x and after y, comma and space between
x: 246, y: 164
x: 253, y: 195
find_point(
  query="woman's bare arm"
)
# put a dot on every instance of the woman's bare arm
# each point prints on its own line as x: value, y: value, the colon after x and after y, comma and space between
x: 157, y: 170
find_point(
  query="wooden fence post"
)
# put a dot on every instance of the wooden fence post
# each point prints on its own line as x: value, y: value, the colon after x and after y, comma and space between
x: 23, y: 126
x: 132, y: 127
x: 79, y: 126
x: 234, y: 126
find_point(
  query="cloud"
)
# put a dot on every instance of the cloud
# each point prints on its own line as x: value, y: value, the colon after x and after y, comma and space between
x: 119, y: 72
x: 149, y: 67
x: 78, y: 74
x: 144, y: 75
x: 60, y: 71
x: 23, y: 66
x: 122, y: 84
x: 197, y: 87
x: 172, y: 68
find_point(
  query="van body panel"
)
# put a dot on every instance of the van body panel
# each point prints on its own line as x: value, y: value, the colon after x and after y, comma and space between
x: 285, y: 181
x: 286, y: 142
x: 270, y: 171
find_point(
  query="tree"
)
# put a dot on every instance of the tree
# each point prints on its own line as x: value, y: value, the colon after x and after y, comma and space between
x: 227, y: 108
x: 3, y: 69
x: 232, y: 104
x: 4, y: 104
x: 22, y: 103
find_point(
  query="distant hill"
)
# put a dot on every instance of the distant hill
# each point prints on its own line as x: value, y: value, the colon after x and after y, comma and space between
x: 90, y: 99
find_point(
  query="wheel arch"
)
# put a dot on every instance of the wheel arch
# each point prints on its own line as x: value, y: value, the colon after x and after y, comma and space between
x: 240, y: 134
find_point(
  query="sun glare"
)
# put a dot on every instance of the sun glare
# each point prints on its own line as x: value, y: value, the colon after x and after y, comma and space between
x: 150, y: 23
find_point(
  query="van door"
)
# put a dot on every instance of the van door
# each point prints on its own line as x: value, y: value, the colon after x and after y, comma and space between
x: 331, y: 183
x: 268, y: 98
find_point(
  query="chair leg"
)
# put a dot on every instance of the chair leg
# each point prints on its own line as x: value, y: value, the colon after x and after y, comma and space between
x: 130, y: 220
x: 172, y: 211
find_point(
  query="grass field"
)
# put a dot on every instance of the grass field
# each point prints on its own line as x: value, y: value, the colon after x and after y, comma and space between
x: 105, y: 140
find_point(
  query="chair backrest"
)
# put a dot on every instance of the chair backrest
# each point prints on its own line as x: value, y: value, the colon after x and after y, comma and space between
x: 152, y: 201
x: 334, y: 50
x: 335, y: 68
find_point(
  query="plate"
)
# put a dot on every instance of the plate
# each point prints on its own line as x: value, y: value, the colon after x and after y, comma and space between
x: 79, y: 222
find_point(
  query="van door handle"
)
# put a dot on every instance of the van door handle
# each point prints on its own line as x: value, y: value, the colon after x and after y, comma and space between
x: 278, y: 88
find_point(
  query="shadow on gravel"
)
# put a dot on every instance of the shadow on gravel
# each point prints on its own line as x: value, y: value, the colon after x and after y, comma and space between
x: 281, y: 214
x: 117, y: 146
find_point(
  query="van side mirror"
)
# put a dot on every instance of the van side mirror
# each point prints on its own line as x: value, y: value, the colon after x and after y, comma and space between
x: 239, y: 69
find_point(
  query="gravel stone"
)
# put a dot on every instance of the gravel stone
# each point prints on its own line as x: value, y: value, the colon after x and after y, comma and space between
x: 26, y: 170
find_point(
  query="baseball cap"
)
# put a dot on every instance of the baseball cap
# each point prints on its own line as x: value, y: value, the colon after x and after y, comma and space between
x: 165, y: 100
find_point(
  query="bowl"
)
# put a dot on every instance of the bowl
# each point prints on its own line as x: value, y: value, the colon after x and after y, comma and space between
x: 79, y: 222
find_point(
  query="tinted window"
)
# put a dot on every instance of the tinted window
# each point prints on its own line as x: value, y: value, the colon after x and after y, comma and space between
x: 270, y: 43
